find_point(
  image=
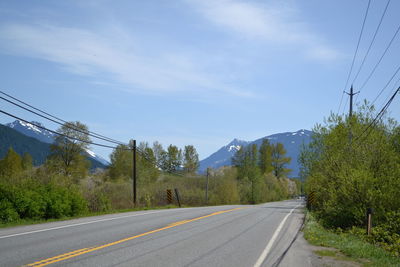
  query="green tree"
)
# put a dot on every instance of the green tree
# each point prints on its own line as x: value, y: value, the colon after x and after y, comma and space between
x: 245, y: 160
x: 265, y: 157
x: 349, y: 177
x: 27, y: 162
x: 159, y: 153
x: 172, y: 158
x: 147, y: 169
x: 279, y: 161
x: 121, y: 163
x: 11, y: 165
x: 191, y: 159
x: 69, y: 148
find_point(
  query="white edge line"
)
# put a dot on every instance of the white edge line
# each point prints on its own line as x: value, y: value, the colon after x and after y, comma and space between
x: 77, y: 224
x: 267, y: 249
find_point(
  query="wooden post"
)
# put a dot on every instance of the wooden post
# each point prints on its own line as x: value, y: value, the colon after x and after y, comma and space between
x: 370, y: 211
x: 208, y: 175
x: 177, y: 197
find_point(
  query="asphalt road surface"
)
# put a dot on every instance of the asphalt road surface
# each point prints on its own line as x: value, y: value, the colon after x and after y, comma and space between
x: 253, y: 235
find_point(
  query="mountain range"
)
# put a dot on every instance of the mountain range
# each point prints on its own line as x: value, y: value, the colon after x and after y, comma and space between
x: 292, y: 141
x: 26, y: 137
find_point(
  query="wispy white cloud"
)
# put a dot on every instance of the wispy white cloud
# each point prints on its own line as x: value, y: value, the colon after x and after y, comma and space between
x: 273, y: 24
x: 115, y: 55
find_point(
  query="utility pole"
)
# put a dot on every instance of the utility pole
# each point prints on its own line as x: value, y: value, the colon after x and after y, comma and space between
x: 351, y: 94
x: 134, y: 172
x: 208, y: 176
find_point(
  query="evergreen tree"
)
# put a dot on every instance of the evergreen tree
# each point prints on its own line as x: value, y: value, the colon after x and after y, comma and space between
x: 191, y: 159
x: 279, y: 161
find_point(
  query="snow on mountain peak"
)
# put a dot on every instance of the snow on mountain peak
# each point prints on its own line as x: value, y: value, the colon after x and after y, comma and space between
x: 236, y: 148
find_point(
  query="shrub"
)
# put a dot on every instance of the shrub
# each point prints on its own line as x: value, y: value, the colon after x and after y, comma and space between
x: 7, y: 212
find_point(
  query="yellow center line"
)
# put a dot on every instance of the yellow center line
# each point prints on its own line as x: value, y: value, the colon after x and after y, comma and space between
x: 82, y: 251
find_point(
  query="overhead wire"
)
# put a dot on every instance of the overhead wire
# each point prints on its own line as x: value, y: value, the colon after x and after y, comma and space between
x: 387, y: 84
x: 377, y: 117
x: 93, y: 134
x: 372, y: 42
x: 55, y: 132
x: 357, y: 47
x: 380, y: 59
x: 68, y: 125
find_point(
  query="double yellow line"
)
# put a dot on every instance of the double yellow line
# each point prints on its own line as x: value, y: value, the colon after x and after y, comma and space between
x: 82, y: 251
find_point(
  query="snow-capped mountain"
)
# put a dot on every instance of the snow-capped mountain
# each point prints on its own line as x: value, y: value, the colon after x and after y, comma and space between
x: 292, y: 142
x: 29, y: 129
x: 32, y: 131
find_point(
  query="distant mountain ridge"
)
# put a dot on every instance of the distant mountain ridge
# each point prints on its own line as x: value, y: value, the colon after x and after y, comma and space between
x: 47, y: 137
x: 292, y: 142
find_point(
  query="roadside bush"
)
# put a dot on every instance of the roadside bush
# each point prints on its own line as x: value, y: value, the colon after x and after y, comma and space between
x: 7, y: 212
x: 30, y: 199
x: 387, y: 235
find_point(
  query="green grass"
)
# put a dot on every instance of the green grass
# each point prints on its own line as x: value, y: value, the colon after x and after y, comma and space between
x: 350, y: 245
x: 22, y: 222
x: 326, y: 253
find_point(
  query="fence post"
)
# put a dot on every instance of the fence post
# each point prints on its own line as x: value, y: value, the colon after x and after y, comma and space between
x: 177, y: 197
x: 370, y: 211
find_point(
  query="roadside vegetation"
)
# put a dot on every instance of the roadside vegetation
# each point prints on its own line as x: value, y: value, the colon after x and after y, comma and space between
x: 352, y: 245
x: 351, y: 165
x: 64, y: 186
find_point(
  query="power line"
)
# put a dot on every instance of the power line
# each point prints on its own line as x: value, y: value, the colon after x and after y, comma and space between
x: 66, y: 124
x: 57, y: 120
x: 372, y: 41
x: 340, y: 105
x: 54, y: 132
x: 380, y: 59
x: 358, y: 44
x: 93, y: 134
x: 378, y: 116
x: 387, y: 84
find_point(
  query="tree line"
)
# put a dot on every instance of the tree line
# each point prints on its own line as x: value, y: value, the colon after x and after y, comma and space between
x: 64, y: 186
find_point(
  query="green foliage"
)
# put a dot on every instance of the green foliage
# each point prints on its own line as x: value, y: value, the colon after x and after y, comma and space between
x: 256, y: 181
x: 387, y: 234
x: 7, y: 212
x: 349, y: 243
x: 265, y: 157
x: 30, y: 199
x: 191, y: 159
x: 11, y: 164
x: 279, y: 161
x: 347, y: 178
x: 68, y: 153
x: 171, y: 159
x: 122, y: 164
x: 27, y: 161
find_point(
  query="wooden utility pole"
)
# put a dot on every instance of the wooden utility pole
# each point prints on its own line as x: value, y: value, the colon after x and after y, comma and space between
x: 134, y: 172
x: 351, y: 94
x: 208, y: 176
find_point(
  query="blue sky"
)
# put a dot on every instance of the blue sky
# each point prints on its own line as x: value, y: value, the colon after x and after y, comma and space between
x: 198, y: 72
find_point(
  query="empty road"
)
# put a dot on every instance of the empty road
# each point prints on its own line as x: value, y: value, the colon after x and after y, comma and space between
x: 253, y: 235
